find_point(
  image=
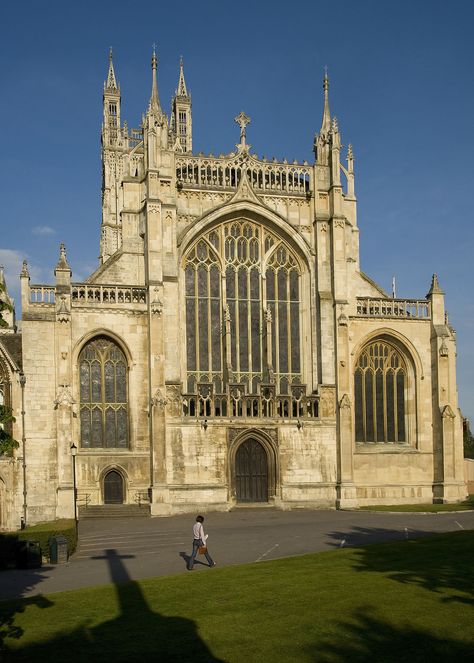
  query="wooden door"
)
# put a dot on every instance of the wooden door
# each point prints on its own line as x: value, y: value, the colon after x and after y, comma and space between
x: 251, y: 472
x: 113, y: 488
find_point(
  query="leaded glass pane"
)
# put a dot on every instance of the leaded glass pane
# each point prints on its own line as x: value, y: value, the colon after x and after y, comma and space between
x: 122, y: 428
x: 110, y: 432
x: 359, y: 418
x: 121, y: 382
x: 97, y: 432
x: 242, y: 255
x: 96, y: 379
x: 390, y: 406
x: 191, y: 334
x: 369, y: 406
x: 85, y: 428
x: 216, y: 335
x: 85, y: 381
x: 203, y: 336
x: 109, y: 375
x: 379, y: 394
x: 401, y: 405
x: 103, y: 385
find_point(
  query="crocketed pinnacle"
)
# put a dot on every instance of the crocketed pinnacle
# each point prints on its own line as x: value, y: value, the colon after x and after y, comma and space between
x: 326, y: 123
x: 182, y: 90
x: 154, y: 100
x: 435, y: 287
x: 111, y: 83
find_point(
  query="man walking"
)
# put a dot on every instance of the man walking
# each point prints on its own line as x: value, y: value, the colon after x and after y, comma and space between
x: 199, y: 541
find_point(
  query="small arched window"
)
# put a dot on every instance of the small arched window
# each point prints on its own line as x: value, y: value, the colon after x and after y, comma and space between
x: 104, y: 397
x: 380, y: 389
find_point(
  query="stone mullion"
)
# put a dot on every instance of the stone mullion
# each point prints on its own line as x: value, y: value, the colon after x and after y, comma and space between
x: 209, y: 323
x: 196, y: 323
x: 364, y: 405
x: 249, y: 327
x: 395, y: 405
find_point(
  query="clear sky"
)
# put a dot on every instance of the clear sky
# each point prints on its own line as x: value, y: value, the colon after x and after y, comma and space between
x: 401, y: 86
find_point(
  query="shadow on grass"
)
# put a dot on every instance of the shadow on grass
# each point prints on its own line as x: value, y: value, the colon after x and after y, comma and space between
x: 136, y: 634
x: 18, y: 582
x: 440, y: 563
x: 369, y: 639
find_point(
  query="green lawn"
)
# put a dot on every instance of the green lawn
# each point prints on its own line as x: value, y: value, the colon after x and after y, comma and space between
x: 467, y: 505
x: 406, y: 601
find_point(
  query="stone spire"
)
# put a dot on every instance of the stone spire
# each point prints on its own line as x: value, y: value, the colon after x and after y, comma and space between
x: 435, y: 287
x: 111, y: 82
x: 181, y: 120
x: 326, y: 122
x: 62, y: 270
x: 154, y: 99
x: 321, y: 140
x: 181, y: 90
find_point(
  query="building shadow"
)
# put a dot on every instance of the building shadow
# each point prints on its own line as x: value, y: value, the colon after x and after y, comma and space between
x: 435, y: 562
x: 367, y: 638
x: 136, y: 634
x: 15, y: 583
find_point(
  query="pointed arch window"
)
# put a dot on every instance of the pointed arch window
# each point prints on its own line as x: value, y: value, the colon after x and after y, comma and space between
x: 380, y: 389
x: 104, y: 395
x: 242, y: 289
x: 5, y: 392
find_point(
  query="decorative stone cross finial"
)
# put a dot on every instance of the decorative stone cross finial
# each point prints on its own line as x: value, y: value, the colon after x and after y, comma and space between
x: 242, y: 120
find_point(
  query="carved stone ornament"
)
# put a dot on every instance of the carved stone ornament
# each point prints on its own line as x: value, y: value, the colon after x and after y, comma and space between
x: 63, y: 313
x: 339, y: 223
x: 173, y: 399
x: 443, y: 351
x: 324, y: 227
x: 327, y: 402
x: 156, y: 305
x: 342, y: 320
x: 158, y: 399
x: 345, y: 402
x: 64, y: 397
x: 447, y: 412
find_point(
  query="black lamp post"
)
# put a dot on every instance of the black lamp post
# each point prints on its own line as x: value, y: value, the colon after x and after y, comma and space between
x: 74, y: 454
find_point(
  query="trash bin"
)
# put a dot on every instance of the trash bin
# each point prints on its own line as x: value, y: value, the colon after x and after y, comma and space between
x: 28, y: 555
x: 58, y: 549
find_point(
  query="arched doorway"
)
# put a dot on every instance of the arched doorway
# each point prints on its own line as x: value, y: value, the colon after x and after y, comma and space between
x: 113, y: 488
x: 251, y: 472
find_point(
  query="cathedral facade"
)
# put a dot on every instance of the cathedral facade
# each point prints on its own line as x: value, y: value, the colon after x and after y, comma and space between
x: 228, y: 350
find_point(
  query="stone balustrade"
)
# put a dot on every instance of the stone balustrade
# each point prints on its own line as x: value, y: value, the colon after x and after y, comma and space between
x: 42, y: 294
x: 253, y: 406
x: 377, y: 307
x: 223, y: 173
x: 83, y: 293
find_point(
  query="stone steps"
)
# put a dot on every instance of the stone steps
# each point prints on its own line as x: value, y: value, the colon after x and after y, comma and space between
x: 114, y: 511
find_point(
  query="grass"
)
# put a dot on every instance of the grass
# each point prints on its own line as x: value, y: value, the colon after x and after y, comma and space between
x: 406, y: 601
x: 467, y: 505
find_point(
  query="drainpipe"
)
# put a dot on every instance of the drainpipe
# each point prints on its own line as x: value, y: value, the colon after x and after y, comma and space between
x: 22, y: 379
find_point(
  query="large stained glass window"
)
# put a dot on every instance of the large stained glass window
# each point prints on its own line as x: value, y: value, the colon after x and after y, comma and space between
x: 380, y: 384
x: 242, y: 288
x: 103, y: 390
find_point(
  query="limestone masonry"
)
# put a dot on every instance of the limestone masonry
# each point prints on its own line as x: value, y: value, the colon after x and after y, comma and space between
x: 228, y: 349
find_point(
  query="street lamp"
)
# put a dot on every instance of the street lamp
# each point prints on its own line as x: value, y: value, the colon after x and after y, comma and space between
x: 74, y: 454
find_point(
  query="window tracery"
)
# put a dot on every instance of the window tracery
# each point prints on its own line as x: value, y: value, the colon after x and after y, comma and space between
x: 380, y: 388
x: 103, y: 393
x: 242, y: 290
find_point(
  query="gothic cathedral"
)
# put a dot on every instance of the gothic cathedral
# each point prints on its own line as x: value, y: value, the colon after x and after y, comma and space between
x: 228, y: 349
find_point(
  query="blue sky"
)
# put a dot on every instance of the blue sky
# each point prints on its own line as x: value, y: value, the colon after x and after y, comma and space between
x: 401, y: 88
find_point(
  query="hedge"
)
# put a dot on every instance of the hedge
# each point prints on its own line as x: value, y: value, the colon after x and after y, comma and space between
x: 41, y: 533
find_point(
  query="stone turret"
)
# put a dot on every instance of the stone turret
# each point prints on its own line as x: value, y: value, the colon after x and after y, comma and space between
x: 181, y: 114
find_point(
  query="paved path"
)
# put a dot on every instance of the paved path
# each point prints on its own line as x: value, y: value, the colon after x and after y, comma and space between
x: 158, y: 546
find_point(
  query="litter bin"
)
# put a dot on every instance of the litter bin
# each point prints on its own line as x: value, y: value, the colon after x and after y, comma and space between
x: 58, y: 549
x: 28, y: 555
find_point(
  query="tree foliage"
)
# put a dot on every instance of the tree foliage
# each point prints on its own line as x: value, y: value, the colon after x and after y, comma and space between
x: 468, y: 440
x: 4, y: 305
x: 7, y: 443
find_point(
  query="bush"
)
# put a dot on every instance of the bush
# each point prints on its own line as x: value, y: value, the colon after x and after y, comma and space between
x: 41, y: 533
